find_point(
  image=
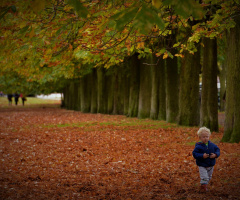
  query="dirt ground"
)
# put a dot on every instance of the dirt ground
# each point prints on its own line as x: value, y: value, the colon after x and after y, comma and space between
x: 53, y: 153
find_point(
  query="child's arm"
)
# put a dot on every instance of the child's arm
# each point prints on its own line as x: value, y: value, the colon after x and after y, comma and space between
x: 196, y: 153
x: 217, y: 151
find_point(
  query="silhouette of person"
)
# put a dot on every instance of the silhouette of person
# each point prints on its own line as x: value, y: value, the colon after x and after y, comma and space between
x: 9, y: 96
x: 16, y: 97
x: 23, y: 98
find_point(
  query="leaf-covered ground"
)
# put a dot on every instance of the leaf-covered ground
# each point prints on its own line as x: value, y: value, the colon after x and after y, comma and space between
x: 52, y: 153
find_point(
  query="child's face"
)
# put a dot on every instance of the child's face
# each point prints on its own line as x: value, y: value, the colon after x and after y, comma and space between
x: 204, y: 137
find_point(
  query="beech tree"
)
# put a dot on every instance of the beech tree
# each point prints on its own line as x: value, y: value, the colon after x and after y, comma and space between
x: 232, y: 120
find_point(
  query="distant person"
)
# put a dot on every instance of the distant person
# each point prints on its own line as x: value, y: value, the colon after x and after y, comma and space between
x: 9, y: 96
x: 205, y: 153
x: 1, y: 94
x: 16, y: 97
x: 23, y: 98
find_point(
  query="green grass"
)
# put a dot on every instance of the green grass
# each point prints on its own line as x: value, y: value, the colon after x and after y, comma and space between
x: 31, y: 101
x: 140, y: 122
x: 131, y: 123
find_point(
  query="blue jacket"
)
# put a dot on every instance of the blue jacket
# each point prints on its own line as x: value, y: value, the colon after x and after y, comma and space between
x: 200, y: 149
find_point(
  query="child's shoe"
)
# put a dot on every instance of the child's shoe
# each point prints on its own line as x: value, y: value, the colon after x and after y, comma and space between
x: 204, y: 188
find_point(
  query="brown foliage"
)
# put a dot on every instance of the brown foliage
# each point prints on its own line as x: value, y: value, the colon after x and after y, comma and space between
x: 58, y: 154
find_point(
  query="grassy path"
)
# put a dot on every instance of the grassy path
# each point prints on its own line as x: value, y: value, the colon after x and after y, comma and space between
x: 52, y: 153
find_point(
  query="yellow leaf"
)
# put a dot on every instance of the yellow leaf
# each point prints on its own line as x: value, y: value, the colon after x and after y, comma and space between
x: 157, y: 3
x: 165, y: 55
x: 140, y: 45
x: 179, y: 55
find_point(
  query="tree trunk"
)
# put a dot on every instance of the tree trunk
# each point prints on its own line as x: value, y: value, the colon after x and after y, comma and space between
x: 118, y: 106
x: 222, y: 77
x: 162, y: 90
x: 65, y: 95
x: 172, y: 89
x: 232, y: 113
x: 111, y: 84
x: 76, y: 95
x: 85, y: 84
x: 134, y: 87
x: 144, y: 104
x: 101, y: 86
x: 126, y: 94
x: 155, y: 89
x: 94, y: 91
x: 71, y: 95
x: 189, y: 90
x: 209, y: 98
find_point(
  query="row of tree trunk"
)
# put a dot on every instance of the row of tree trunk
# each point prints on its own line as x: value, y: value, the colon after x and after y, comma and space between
x: 152, y: 88
x: 166, y: 90
x: 134, y: 89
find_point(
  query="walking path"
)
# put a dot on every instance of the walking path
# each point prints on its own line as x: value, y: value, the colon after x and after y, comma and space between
x: 52, y: 153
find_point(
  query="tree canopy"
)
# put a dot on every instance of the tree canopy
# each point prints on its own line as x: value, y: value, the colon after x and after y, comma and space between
x: 47, y: 41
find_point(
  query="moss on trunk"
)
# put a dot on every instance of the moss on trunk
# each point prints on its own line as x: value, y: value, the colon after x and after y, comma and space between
x: 94, y: 91
x: 110, y: 80
x: 144, y: 105
x: 101, y: 87
x: 134, y: 87
x: 77, y: 103
x: 162, y: 90
x: 85, y: 84
x: 118, y: 106
x: 232, y: 113
x: 209, y: 98
x: 155, y: 88
x: 126, y: 94
x: 189, y: 90
x: 71, y: 95
x: 172, y: 89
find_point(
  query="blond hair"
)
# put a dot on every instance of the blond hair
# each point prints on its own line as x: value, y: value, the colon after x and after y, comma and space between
x: 203, y: 129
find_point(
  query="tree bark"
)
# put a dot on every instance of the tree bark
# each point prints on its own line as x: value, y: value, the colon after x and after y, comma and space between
x: 134, y: 87
x: 66, y: 96
x: 110, y: 97
x: 162, y: 90
x: 232, y: 113
x: 189, y: 90
x: 85, y: 84
x: 144, y: 104
x: 126, y: 94
x: 172, y: 89
x: 76, y: 95
x: 222, y: 77
x: 94, y: 91
x: 71, y: 95
x: 101, y: 87
x: 116, y: 88
x: 209, y: 98
x: 155, y: 88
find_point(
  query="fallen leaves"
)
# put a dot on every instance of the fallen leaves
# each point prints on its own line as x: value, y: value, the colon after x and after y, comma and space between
x: 60, y: 154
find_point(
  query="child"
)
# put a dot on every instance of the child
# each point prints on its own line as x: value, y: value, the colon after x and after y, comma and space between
x: 205, y: 153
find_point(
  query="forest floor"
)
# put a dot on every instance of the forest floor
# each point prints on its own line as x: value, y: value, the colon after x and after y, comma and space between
x: 52, y: 153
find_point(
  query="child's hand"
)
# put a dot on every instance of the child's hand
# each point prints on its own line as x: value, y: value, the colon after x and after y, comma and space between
x: 213, y: 155
x: 205, y: 155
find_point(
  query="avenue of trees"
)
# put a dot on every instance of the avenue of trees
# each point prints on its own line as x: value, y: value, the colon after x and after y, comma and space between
x: 140, y: 58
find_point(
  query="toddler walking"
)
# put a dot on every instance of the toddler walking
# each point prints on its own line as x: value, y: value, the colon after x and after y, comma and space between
x: 205, y: 153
